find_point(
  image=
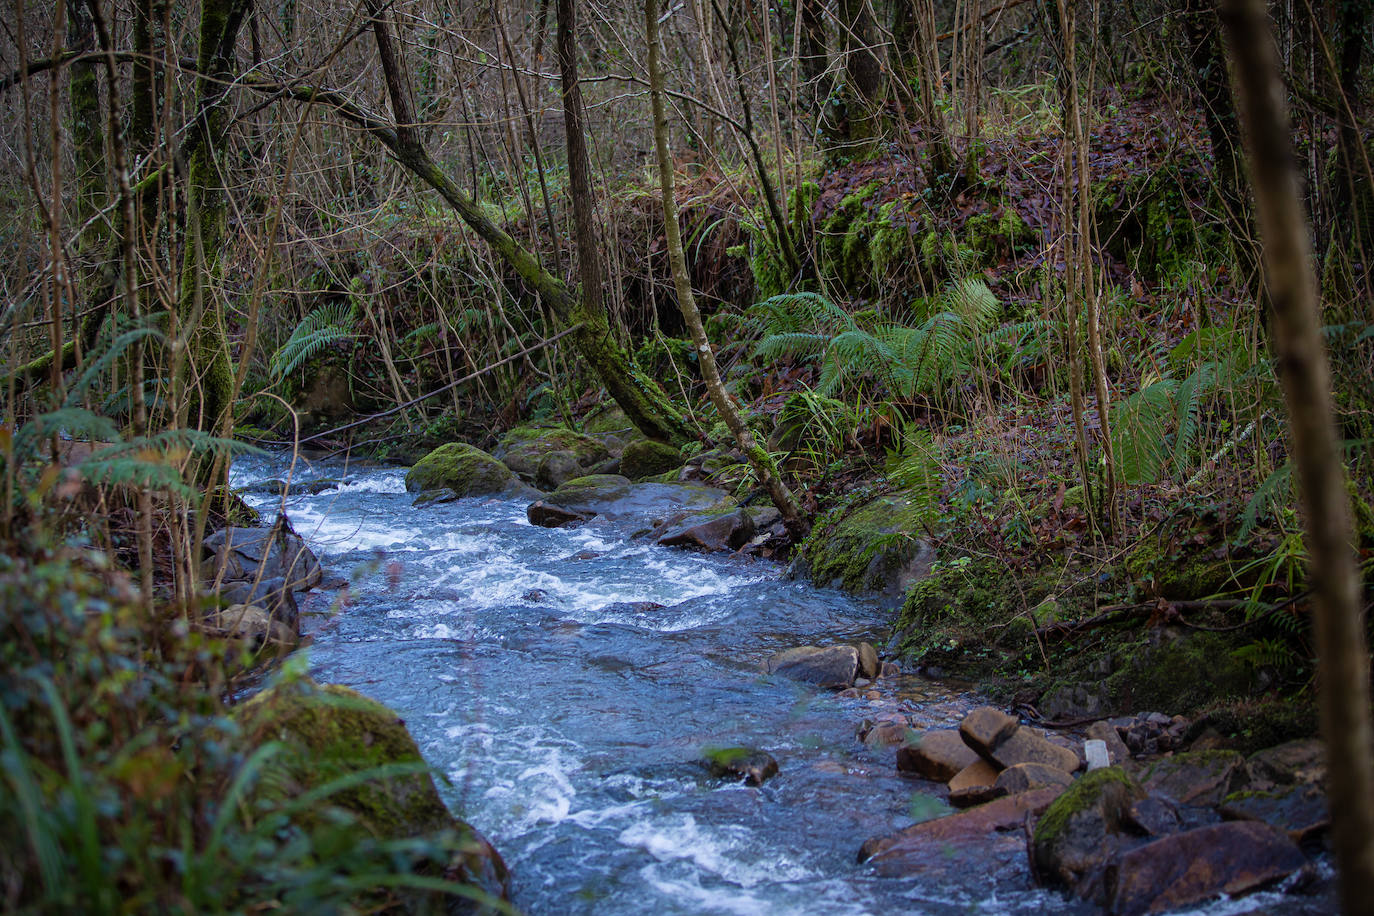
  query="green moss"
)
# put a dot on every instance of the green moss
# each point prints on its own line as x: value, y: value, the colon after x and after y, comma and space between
x: 1165, y: 569
x: 1211, y: 760
x: 1079, y: 797
x: 1177, y: 675
x: 860, y: 547
x: 522, y: 448
x: 647, y: 458
x: 843, y: 240
x: 331, y: 732
x: 1253, y: 724
x: 468, y: 471
x: 1147, y: 220
x: 993, y: 236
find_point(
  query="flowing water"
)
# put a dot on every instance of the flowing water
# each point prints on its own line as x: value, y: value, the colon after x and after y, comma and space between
x: 569, y: 715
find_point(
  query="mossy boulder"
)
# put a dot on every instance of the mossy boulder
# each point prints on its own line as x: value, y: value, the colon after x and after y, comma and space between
x: 525, y: 447
x: 330, y: 734
x: 462, y: 468
x: 638, y: 509
x: 998, y: 236
x: 872, y: 547
x: 645, y: 458
x: 1084, y: 827
x: 1172, y: 566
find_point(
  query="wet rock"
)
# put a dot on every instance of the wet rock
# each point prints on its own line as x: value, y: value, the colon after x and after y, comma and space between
x: 985, y: 727
x: 1294, y: 763
x: 462, y: 468
x: 1152, y: 733
x: 870, y: 549
x: 255, y: 628
x: 534, y: 595
x: 1074, y: 701
x: 978, y: 773
x: 272, y: 595
x: 1024, y: 746
x: 250, y: 554
x: 831, y: 666
x: 1117, y: 752
x: 889, y: 731
x: 330, y: 733
x: 861, y: 682
x: 633, y: 608
x: 1188, y: 868
x: 547, y: 516
x: 753, y: 766
x: 649, y: 458
x: 557, y: 468
x: 1153, y: 816
x: 635, y: 508
x: 1007, y: 813
x: 524, y: 448
x: 869, y: 666
x: 938, y: 755
x: 726, y: 531
x: 1027, y: 776
x: 891, y: 669
x: 1084, y: 828
x: 1299, y: 810
x: 436, y: 497
x: 1200, y: 778
x: 972, y: 796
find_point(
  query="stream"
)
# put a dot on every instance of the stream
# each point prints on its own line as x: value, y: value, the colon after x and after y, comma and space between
x: 569, y: 715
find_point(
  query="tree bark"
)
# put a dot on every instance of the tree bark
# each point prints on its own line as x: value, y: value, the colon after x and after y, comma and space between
x: 1342, y: 655
x: 643, y: 401
x: 757, y: 456
x: 863, y: 74
x: 198, y: 304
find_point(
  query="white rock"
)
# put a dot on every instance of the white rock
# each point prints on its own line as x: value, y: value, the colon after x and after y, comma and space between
x: 1095, y: 750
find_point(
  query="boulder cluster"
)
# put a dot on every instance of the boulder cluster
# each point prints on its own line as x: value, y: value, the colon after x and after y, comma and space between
x: 1130, y: 833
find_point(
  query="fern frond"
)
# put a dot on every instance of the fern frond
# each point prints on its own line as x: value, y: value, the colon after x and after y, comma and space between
x: 75, y: 422
x: 792, y: 312
x: 1139, y: 426
x: 972, y: 300
x: 96, y: 367
x: 323, y: 326
x: 791, y: 345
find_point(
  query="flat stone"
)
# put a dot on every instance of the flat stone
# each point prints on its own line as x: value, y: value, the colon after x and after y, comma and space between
x: 1292, y: 763
x: 1201, y: 778
x: 1117, y: 752
x: 728, y: 531
x: 937, y: 755
x: 546, y: 515
x: 971, y: 796
x: 1027, y: 776
x: 1153, y: 816
x: 1025, y: 746
x: 978, y: 773
x: 1300, y: 811
x: 1188, y: 868
x: 1008, y: 813
x: 1095, y: 752
x: 890, y: 731
x: 831, y: 666
x: 986, y: 726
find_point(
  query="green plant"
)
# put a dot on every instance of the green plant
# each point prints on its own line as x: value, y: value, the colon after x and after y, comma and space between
x: 325, y: 325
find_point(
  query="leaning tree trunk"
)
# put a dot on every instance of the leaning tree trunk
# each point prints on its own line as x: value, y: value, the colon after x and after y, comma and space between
x: 198, y: 305
x: 644, y: 403
x: 758, y: 457
x: 1342, y: 655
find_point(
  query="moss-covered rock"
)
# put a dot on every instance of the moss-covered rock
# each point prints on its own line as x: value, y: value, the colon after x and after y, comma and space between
x: 466, y: 470
x: 523, y: 448
x: 873, y: 547
x: 1164, y: 565
x: 330, y: 734
x: 995, y: 236
x: 1084, y: 827
x: 646, y: 458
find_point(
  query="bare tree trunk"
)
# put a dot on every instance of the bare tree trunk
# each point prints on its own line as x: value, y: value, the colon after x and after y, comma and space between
x: 643, y: 401
x: 758, y: 457
x: 1343, y: 657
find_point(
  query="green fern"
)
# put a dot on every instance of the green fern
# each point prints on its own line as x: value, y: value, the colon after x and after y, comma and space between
x: 915, y: 470
x: 325, y: 325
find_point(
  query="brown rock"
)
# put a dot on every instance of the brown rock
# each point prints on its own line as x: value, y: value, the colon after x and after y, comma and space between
x: 1300, y: 811
x: 937, y: 755
x: 891, y: 669
x: 1201, y: 778
x: 1191, y: 867
x: 546, y: 515
x: 886, y: 732
x: 971, y: 796
x: 1293, y: 763
x: 1081, y: 832
x: 869, y: 666
x: 1117, y: 752
x: 1025, y: 746
x: 1027, y: 776
x: 985, y: 727
x: 978, y: 773
x: 728, y: 531
x: 832, y: 666
x: 1007, y: 813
